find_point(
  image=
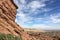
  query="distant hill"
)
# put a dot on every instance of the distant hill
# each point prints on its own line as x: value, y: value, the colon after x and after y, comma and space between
x: 38, y: 30
x: 33, y: 30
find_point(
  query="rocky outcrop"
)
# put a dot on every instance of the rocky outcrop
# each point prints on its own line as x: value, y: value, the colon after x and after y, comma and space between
x: 7, y: 20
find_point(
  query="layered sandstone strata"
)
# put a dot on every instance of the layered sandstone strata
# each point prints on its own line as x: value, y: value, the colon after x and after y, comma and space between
x: 7, y: 20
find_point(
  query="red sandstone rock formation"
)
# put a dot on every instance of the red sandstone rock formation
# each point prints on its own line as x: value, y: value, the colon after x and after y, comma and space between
x: 7, y: 20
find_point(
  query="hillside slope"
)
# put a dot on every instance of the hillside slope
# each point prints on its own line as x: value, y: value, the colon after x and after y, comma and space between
x: 7, y: 20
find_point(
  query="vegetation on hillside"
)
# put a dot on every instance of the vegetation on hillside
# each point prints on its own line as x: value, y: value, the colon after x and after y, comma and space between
x: 9, y: 37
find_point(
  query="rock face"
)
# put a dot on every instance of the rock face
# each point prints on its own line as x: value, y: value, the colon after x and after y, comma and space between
x: 7, y: 20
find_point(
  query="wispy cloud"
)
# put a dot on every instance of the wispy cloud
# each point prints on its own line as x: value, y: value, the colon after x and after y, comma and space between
x: 23, y: 1
x: 30, y: 8
x: 36, y: 4
x: 55, y: 18
x: 36, y: 11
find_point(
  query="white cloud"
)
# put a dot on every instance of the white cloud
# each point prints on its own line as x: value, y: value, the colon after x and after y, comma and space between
x: 55, y: 18
x: 21, y: 14
x: 20, y: 1
x: 33, y: 6
x: 23, y: 1
x: 36, y: 4
x: 22, y: 17
x: 16, y: 20
x: 44, y: 0
x: 31, y: 9
x: 17, y: 2
x: 46, y: 9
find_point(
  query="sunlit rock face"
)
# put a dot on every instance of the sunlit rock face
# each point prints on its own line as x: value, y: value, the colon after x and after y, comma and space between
x: 7, y: 20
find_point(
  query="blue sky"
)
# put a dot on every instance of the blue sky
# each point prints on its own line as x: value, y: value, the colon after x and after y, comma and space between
x: 40, y: 14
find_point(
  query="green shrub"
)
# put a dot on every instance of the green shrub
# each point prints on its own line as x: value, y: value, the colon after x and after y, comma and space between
x: 9, y: 37
x: 3, y: 37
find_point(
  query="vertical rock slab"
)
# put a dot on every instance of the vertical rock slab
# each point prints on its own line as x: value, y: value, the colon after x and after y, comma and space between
x: 7, y: 20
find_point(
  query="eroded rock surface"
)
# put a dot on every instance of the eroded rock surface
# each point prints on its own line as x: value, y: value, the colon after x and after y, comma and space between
x: 7, y: 20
